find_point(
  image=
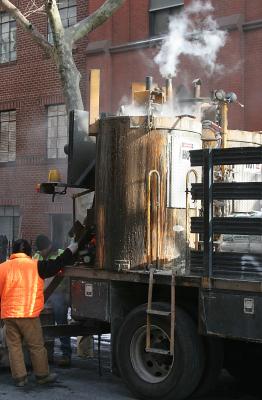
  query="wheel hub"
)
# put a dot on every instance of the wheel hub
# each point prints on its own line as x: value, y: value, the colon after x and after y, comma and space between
x: 151, y: 367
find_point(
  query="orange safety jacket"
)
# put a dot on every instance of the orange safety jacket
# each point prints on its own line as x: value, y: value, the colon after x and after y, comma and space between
x: 21, y: 288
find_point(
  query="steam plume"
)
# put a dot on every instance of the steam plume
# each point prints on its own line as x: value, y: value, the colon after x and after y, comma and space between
x: 194, y: 33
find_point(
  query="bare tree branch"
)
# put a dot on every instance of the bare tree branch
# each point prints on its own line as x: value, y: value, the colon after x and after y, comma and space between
x: 81, y: 28
x: 55, y: 21
x: 33, y: 8
x: 27, y: 26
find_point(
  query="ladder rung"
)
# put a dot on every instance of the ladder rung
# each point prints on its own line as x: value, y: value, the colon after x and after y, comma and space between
x: 158, y: 351
x: 159, y: 312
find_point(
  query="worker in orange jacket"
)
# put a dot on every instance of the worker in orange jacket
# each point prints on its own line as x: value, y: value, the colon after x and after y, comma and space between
x: 22, y: 300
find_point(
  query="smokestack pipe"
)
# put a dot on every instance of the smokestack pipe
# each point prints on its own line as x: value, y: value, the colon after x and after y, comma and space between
x: 169, y: 90
x: 197, y: 87
x: 149, y: 83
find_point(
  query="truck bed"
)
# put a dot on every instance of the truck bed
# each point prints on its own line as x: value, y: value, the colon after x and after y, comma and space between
x: 240, y: 283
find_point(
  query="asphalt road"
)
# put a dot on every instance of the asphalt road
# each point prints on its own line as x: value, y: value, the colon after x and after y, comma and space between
x: 82, y: 381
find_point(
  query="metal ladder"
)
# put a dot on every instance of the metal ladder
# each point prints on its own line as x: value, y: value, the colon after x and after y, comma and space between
x: 151, y: 312
x: 170, y: 314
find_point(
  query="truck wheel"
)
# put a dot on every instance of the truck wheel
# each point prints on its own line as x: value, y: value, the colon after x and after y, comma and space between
x: 214, y: 357
x: 234, y: 358
x: 243, y: 362
x: 156, y: 376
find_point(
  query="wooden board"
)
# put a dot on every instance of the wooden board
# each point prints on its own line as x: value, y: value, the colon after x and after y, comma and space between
x: 94, y: 100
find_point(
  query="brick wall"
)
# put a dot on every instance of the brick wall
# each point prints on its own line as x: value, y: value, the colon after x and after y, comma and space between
x: 29, y: 85
x: 241, y: 57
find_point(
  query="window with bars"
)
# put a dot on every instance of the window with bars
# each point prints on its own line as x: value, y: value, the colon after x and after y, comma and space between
x: 160, y: 12
x: 57, y: 131
x: 67, y: 10
x: 7, y: 136
x: 7, y: 38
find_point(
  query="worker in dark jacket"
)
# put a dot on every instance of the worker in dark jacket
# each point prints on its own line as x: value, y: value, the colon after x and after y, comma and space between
x: 59, y: 300
x: 22, y: 300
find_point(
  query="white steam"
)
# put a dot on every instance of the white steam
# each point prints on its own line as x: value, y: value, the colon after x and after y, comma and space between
x: 192, y: 33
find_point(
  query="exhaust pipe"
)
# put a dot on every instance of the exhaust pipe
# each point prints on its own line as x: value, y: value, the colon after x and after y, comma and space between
x: 149, y: 83
x: 197, y: 88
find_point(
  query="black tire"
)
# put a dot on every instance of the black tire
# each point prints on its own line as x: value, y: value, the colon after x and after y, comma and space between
x: 234, y: 358
x: 243, y: 362
x: 214, y: 358
x: 151, y: 376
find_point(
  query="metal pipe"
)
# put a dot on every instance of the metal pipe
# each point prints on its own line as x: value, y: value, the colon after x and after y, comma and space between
x: 74, y: 209
x: 149, y: 308
x: 224, y: 123
x: 197, y: 88
x: 194, y: 172
x: 149, y: 208
x: 149, y: 83
x: 224, y: 132
x: 173, y: 314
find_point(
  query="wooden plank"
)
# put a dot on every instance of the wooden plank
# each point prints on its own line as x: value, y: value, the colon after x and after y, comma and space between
x: 141, y: 98
x: 137, y: 87
x: 94, y: 100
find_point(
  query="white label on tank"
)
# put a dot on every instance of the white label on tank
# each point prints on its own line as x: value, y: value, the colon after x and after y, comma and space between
x: 249, y: 306
x: 88, y: 290
x: 180, y: 143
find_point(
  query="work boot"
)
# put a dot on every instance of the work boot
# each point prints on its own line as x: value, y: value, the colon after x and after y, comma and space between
x: 51, y: 378
x: 65, y: 361
x: 21, y: 382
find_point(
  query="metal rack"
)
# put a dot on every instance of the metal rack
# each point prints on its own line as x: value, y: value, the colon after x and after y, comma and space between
x: 208, y: 262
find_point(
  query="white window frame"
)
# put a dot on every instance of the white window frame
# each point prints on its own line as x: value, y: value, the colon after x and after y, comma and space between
x: 7, y: 38
x: 57, y: 131
x: 7, y: 135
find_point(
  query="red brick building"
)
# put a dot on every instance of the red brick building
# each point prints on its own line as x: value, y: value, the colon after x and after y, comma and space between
x: 32, y: 117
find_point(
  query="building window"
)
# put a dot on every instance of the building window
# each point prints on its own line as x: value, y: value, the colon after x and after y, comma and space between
x: 159, y: 13
x: 57, y: 131
x: 7, y: 38
x: 9, y: 228
x: 67, y: 10
x: 60, y: 226
x: 7, y: 136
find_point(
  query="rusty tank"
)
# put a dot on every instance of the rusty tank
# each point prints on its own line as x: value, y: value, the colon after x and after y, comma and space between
x: 140, y: 196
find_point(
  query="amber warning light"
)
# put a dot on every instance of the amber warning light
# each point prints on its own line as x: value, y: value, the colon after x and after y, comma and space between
x: 54, y: 175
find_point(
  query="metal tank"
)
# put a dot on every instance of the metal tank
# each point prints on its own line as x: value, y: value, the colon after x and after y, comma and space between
x: 140, y: 197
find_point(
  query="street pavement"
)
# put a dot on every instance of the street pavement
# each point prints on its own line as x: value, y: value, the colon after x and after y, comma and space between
x: 82, y: 382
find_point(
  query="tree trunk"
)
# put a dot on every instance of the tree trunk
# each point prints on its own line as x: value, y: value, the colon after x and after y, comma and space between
x: 69, y: 74
x: 70, y: 77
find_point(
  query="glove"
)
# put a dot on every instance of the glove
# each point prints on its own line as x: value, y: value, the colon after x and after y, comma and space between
x: 73, y: 247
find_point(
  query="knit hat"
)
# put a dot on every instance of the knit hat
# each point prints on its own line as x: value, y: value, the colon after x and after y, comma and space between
x: 42, y: 242
x: 22, y: 246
